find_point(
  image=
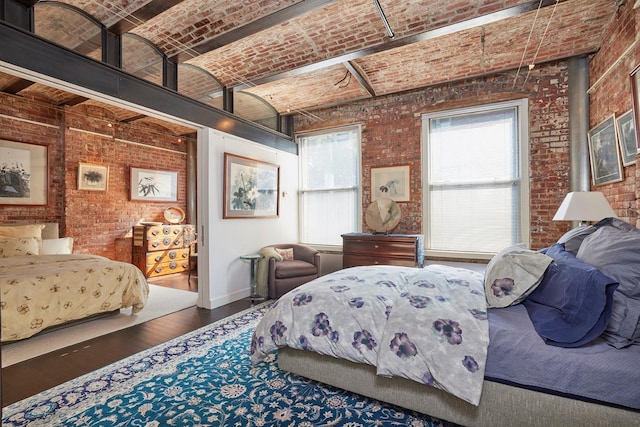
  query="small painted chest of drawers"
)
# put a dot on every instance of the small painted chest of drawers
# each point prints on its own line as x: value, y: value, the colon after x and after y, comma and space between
x: 162, y: 249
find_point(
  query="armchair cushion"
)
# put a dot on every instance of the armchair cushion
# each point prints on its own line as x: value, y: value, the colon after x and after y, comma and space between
x: 293, y: 268
x: 285, y: 275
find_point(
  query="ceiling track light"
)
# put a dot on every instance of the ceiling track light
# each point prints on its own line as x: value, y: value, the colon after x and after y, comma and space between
x: 384, y: 19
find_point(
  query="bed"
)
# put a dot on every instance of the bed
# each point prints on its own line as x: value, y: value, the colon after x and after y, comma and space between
x: 535, y: 371
x: 44, y: 285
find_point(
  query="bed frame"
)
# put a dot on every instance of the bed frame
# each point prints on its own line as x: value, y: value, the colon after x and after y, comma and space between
x: 500, y: 404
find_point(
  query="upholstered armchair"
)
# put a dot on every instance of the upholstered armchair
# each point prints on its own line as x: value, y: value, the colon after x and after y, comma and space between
x: 286, y: 275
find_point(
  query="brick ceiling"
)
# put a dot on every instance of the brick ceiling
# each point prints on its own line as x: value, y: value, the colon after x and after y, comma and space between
x: 301, y: 55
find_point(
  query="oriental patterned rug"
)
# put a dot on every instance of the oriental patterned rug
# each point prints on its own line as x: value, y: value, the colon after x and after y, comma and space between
x: 203, y: 378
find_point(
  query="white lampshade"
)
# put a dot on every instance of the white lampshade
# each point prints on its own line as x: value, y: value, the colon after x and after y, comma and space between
x: 584, y: 206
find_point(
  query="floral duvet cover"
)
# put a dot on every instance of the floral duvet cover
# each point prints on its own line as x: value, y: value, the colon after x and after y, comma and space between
x: 428, y: 325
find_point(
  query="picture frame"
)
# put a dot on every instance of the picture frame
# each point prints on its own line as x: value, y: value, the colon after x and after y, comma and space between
x: 251, y: 188
x: 635, y: 99
x: 604, y: 153
x: 149, y: 185
x: 93, y: 177
x: 627, y: 137
x: 24, y: 173
x: 392, y: 182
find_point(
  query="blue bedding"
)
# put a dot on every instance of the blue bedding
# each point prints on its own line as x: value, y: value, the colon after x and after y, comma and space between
x: 572, y: 305
x: 595, y: 371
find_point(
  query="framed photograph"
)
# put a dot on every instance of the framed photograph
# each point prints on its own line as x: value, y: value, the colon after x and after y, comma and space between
x: 627, y: 138
x: 391, y: 182
x: 24, y: 173
x: 604, y: 153
x: 635, y: 97
x: 251, y: 188
x: 149, y: 185
x: 93, y: 177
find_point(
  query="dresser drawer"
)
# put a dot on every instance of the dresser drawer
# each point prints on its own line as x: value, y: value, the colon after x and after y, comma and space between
x: 166, y: 256
x: 349, y: 260
x: 378, y: 247
x: 159, y: 269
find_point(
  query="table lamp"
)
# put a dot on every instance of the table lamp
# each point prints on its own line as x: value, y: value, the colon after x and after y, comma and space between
x: 584, y: 206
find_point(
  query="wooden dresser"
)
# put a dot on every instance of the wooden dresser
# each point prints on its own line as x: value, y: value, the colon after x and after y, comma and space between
x: 162, y: 249
x: 382, y: 249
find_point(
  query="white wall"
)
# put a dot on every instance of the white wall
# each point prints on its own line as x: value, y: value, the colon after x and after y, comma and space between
x: 222, y: 276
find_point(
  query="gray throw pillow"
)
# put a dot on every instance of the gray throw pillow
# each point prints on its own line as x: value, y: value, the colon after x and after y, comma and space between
x: 513, y: 274
x: 573, y: 238
x: 614, y: 249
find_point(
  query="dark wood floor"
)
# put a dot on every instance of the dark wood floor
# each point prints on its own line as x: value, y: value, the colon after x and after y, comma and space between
x: 41, y: 373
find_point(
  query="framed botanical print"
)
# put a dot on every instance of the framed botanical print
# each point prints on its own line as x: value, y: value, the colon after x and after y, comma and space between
x: 627, y: 138
x: 635, y: 98
x: 251, y: 188
x: 93, y: 177
x: 24, y: 173
x: 391, y: 182
x: 148, y: 185
x: 604, y: 153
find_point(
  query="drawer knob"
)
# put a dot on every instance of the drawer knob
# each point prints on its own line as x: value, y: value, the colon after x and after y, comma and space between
x: 376, y: 246
x: 155, y: 244
x: 154, y: 232
x: 173, y: 265
x: 166, y: 241
x: 172, y: 255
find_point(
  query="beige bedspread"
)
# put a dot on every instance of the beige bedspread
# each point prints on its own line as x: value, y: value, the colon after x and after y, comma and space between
x: 47, y: 290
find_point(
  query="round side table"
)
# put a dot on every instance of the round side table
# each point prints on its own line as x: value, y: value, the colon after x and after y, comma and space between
x: 253, y: 258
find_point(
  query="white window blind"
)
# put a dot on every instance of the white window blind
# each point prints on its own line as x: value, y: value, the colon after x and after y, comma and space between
x: 475, y: 197
x: 329, y: 185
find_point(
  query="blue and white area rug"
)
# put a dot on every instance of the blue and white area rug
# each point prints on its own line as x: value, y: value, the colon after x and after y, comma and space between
x: 203, y: 379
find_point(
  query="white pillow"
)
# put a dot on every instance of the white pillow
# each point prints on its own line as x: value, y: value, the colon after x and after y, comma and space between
x: 63, y: 245
x: 10, y: 246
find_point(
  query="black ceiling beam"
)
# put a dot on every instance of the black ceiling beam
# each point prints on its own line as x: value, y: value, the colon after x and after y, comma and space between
x: 133, y: 119
x: 142, y: 15
x: 396, y: 43
x: 26, y: 3
x: 266, y: 22
x: 25, y: 53
x: 74, y: 101
x: 18, y: 86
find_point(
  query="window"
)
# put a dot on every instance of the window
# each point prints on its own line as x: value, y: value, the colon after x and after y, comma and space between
x: 476, y: 200
x: 329, y: 185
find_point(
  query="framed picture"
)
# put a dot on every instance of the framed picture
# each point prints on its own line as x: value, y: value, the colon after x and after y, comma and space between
x: 391, y: 182
x: 635, y: 97
x: 154, y: 185
x: 93, y: 177
x: 627, y: 138
x: 24, y: 173
x: 251, y: 188
x: 604, y: 153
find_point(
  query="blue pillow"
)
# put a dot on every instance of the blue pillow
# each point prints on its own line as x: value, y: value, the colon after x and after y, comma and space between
x: 572, y: 305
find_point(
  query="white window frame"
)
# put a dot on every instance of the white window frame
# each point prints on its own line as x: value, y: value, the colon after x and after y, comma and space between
x: 357, y: 187
x: 522, y: 117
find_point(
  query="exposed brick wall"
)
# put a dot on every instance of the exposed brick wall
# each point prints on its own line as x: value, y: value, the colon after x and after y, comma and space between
x: 28, y: 127
x: 391, y: 127
x: 96, y: 220
x: 610, y: 93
